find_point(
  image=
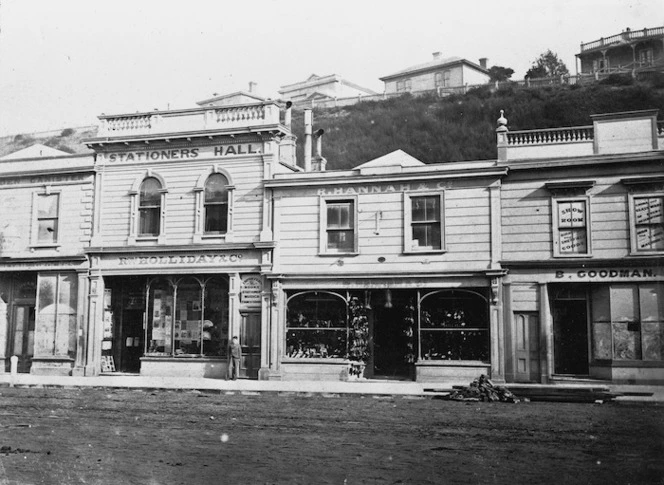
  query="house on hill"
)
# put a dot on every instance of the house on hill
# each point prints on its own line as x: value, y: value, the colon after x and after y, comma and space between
x: 233, y: 99
x: 440, y: 74
x: 321, y: 88
x: 631, y: 51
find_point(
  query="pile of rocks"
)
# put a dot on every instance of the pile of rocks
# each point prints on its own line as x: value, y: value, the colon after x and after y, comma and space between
x: 482, y: 389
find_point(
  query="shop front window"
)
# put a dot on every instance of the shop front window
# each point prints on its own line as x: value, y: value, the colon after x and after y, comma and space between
x: 454, y: 325
x: 317, y: 326
x: 188, y: 316
x: 628, y: 322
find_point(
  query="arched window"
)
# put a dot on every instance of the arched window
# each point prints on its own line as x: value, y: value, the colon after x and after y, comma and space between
x: 149, y: 207
x: 216, y: 204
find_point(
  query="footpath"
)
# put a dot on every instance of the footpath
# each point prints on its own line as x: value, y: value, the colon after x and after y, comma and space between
x: 635, y: 393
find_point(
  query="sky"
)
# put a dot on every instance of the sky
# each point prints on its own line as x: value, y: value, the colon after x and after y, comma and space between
x: 65, y: 62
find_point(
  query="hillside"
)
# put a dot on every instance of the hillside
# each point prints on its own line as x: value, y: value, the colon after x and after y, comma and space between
x: 462, y: 127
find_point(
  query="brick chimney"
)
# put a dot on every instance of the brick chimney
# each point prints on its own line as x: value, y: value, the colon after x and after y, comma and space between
x: 483, y: 61
x: 252, y: 87
x: 436, y: 56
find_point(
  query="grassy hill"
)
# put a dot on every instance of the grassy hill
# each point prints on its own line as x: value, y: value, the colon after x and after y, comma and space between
x: 462, y: 127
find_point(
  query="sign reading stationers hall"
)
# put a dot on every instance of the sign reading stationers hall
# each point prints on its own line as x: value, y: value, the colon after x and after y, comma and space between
x: 165, y: 154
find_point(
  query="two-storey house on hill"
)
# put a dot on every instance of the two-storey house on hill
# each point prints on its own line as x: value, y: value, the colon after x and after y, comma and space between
x: 631, y: 51
x: 442, y: 75
x: 181, y: 240
x: 583, y: 243
x: 46, y: 197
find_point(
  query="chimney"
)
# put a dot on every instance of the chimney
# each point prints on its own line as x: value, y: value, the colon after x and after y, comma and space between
x: 483, y: 61
x: 288, y: 116
x: 319, y: 162
x: 308, y: 122
x: 436, y: 56
x: 252, y: 87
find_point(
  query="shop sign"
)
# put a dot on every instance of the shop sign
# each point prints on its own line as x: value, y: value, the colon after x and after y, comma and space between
x: 45, y: 179
x: 220, y: 151
x: 382, y: 189
x: 37, y: 265
x: 608, y: 273
x: 251, y: 291
x: 197, y: 259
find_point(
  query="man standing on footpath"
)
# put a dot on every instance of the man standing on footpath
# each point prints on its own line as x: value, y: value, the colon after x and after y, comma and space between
x: 234, y: 354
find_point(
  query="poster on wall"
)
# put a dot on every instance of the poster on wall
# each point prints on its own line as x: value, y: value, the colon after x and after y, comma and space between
x: 251, y: 291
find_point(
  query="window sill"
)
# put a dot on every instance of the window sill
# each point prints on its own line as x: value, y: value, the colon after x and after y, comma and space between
x: 451, y: 363
x: 315, y: 360
x: 641, y: 254
x: 338, y: 255
x: 572, y: 256
x: 628, y: 363
x: 424, y: 251
x: 55, y: 246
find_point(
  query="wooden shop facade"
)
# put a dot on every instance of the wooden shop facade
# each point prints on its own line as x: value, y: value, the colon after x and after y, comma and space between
x: 188, y: 227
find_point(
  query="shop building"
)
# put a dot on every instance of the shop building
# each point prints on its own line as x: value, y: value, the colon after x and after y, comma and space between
x: 583, y: 247
x: 47, y: 206
x: 182, y: 241
x: 394, y: 263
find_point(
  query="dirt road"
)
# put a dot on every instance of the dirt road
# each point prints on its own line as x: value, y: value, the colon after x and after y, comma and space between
x: 101, y: 436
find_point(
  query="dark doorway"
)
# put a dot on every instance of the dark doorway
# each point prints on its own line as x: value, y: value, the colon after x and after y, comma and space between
x: 393, y: 332
x: 126, y: 311
x: 570, y: 332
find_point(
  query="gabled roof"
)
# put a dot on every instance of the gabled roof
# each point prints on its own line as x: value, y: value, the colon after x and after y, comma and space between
x: 435, y: 64
x: 35, y: 151
x: 239, y: 97
x: 395, y: 161
x: 315, y: 80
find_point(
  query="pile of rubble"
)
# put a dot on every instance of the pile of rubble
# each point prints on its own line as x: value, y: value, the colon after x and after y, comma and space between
x: 482, y: 389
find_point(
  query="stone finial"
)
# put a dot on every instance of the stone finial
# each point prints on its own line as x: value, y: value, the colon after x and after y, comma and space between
x: 502, y: 121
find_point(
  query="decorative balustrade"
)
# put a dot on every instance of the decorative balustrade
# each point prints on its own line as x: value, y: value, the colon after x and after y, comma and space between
x: 550, y: 136
x: 626, y: 36
x: 128, y: 123
x: 190, y: 120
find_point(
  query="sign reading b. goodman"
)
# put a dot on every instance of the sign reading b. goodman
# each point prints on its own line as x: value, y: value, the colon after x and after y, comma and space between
x: 607, y: 274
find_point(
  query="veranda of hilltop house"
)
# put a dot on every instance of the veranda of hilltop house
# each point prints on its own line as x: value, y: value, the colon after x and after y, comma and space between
x: 639, y: 51
x: 582, y: 234
x: 46, y: 197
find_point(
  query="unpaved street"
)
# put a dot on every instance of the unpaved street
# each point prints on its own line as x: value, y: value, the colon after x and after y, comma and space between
x: 104, y: 436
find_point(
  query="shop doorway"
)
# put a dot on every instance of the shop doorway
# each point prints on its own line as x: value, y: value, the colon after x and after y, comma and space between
x: 23, y: 335
x: 570, y: 331
x: 124, y: 324
x: 391, y: 324
x: 250, y: 340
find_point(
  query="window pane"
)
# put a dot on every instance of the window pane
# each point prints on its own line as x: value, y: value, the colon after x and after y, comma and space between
x: 624, y: 303
x: 341, y: 241
x: 652, y: 302
x: 216, y: 218
x: 452, y: 345
x: 425, y: 209
x: 426, y: 236
x: 215, y: 326
x: 47, y: 206
x: 573, y: 241
x: 601, y: 310
x: 602, y: 340
x: 47, y: 231
x: 572, y: 214
x: 650, y: 237
x: 653, y: 340
x: 626, y: 341
x: 648, y: 210
x: 188, y: 325
x: 160, y: 317
x: 216, y: 188
x: 149, y: 194
x: 340, y: 215
x: 149, y: 222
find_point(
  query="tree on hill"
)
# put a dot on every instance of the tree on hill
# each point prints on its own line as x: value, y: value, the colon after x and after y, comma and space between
x: 500, y: 73
x: 548, y: 64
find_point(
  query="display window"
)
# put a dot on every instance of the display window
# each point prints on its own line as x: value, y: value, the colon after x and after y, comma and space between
x: 628, y: 322
x: 454, y: 325
x: 317, y: 325
x: 187, y: 316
